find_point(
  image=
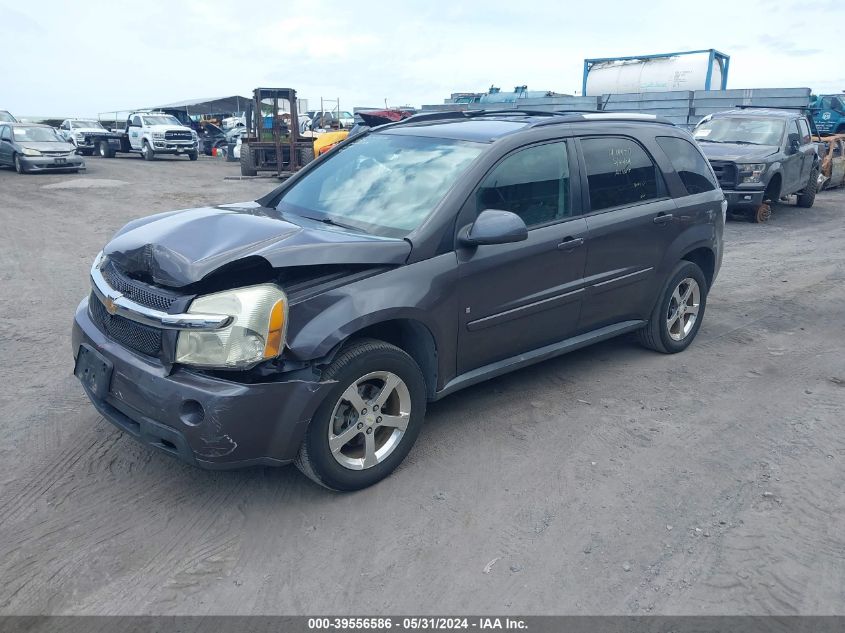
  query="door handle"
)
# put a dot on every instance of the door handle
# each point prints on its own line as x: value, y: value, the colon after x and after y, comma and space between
x: 570, y: 243
x: 663, y: 218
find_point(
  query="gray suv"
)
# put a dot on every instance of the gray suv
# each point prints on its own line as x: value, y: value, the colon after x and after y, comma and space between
x: 313, y: 325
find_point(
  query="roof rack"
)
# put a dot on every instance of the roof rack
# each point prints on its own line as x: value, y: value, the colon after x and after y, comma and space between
x: 447, y: 115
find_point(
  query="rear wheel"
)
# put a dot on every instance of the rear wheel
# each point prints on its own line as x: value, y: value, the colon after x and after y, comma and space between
x: 369, y: 421
x: 105, y: 150
x: 807, y: 196
x: 677, y: 317
x: 147, y: 151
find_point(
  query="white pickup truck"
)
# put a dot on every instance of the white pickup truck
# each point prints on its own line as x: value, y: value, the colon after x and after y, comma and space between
x: 148, y: 134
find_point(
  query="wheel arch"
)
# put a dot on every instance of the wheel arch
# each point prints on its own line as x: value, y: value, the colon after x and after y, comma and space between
x: 410, y: 335
x: 775, y: 186
x: 705, y: 259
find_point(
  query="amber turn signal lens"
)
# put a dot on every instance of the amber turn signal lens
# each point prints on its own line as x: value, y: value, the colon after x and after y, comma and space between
x: 276, y: 330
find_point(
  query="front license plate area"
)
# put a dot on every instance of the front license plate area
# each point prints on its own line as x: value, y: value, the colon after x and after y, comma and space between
x: 61, y: 161
x: 94, y: 371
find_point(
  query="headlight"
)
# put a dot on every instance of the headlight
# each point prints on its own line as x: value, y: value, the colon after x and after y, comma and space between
x: 158, y: 135
x: 257, y: 332
x: 30, y: 152
x: 751, y: 172
x: 193, y: 135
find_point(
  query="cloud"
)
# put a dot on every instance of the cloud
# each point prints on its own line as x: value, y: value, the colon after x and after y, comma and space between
x: 412, y: 52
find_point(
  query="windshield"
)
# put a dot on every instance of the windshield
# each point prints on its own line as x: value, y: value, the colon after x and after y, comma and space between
x: 6, y: 117
x: 740, y: 130
x: 35, y: 134
x: 87, y: 123
x: 161, y: 119
x: 383, y: 184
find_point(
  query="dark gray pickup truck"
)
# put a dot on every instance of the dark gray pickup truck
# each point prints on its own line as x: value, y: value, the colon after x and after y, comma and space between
x: 761, y: 156
x: 313, y: 325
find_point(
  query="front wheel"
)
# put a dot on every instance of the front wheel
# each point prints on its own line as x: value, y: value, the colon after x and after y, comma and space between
x: 369, y: 421
x: 677, y: 316
x: 147, y: 151
x: 18, y: 165
x: 192, y: 155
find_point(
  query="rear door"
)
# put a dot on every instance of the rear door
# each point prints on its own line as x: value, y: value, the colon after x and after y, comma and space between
x: 525, y: 295
x: 631, y: 222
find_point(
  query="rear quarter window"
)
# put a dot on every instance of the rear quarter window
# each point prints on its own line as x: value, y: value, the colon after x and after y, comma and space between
x: 692, y: 168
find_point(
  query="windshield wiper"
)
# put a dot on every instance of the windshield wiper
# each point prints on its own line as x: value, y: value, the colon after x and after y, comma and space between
x: 743, y: 142
x: 707, y: 140
x: 333, y: 222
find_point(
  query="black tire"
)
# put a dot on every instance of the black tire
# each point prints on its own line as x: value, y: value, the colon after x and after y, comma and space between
x: 105, y: 150
x: 305, y: 155
x: 147, y: 151
x: 193, y: 155
x: 247, y: 161
x: 655, y: 335
x: 355, y: 361
x: 18, y: 166
x: 807, y: 196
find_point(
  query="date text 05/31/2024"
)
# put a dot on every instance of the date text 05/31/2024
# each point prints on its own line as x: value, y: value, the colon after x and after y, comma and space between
x: 415, y: 623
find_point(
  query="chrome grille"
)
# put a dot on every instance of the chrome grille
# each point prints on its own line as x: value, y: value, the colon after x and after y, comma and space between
x: 141, y: 338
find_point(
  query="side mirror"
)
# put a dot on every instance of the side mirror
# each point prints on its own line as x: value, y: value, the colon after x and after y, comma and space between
x: 794, y: 143
x: 494, y: 226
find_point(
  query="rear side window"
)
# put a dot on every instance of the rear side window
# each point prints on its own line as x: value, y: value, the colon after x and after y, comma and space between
x: 691, y: 166
x: 533, y: 183
x: 619, y: 172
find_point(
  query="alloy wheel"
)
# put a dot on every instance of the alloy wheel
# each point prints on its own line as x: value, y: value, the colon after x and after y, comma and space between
x: 683, y: 309
x: 369, y: 420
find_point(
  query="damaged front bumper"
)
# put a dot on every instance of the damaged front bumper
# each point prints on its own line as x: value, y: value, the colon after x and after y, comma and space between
x: 202, y: 420
x: 743, y: 198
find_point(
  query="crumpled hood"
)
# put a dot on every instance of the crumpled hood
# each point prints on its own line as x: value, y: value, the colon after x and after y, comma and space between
x: 182, y: 247
x: 737, y: 152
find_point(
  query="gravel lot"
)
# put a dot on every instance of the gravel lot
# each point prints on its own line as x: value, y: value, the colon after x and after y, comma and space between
x: 613, y: 480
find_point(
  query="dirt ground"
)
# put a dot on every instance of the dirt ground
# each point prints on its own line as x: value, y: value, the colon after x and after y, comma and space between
x: 610, y: 481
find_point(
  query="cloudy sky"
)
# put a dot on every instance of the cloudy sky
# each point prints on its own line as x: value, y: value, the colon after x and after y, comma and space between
x: 81, y: 58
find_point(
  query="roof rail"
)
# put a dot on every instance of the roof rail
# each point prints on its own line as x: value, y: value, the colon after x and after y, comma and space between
x: 447, y: 115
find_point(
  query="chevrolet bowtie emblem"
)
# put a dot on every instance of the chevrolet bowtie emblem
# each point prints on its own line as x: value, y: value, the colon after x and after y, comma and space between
x: 111, y: 308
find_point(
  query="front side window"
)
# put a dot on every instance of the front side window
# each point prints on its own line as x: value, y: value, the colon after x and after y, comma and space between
x: 136, y: 121
x: 5, y: 116
x: 4, y: 133
x: 533, y: 183
x: 691, y: 166
x: 619, y: 172
x: 744, y: 130
x: 384, y: 184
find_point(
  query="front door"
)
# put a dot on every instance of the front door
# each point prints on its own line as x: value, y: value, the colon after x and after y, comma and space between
x: 792, y: 161
x: 5, y: 145
x: 135, y: 132
x: 632, y: 222
x: 522, y: 296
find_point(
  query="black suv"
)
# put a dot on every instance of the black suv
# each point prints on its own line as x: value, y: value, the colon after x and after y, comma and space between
x: 761, y: 156
x: 421, y: 257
